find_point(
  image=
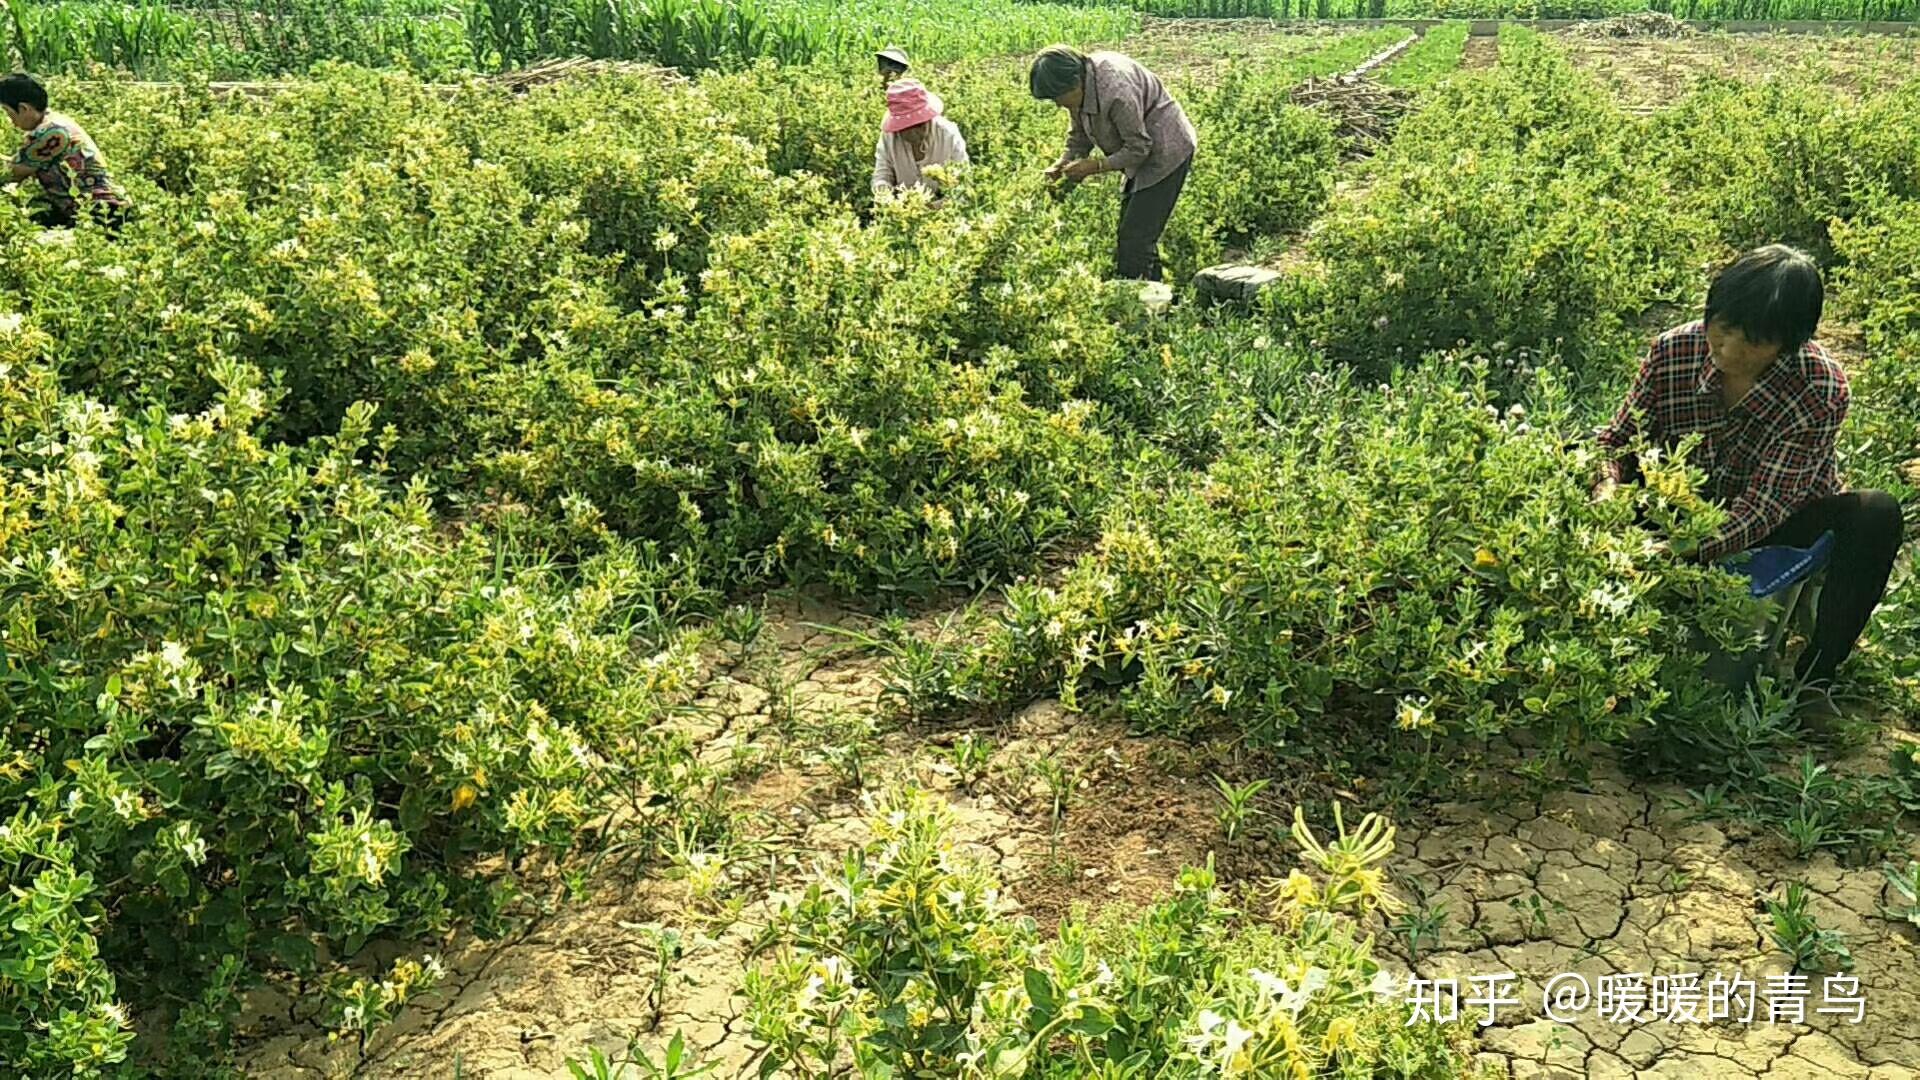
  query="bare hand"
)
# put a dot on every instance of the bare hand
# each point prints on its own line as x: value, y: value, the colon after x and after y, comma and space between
x: 1605, y: 489
x: 1080, y: 170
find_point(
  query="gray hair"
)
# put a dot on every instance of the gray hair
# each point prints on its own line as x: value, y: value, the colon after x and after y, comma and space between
x: 1055, y: 71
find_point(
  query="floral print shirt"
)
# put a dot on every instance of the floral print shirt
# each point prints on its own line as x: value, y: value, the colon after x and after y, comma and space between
x: 65, y: 160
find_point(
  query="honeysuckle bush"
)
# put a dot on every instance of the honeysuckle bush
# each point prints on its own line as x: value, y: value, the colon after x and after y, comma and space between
x: 262, y: 706
x: 403, y: 260
x: 908, y: 959
x: 1265, y: 166
x: 1776, y: 160
x: 903, y: 403
x: 1880, y: 280
x: 1413, y: 568
x: 1508, y: 209
x: 557, y: 301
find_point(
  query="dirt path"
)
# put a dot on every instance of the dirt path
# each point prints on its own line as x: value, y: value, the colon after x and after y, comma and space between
x: 1647, y: 73
x: 1481, y: 52
x: 1606, y: 879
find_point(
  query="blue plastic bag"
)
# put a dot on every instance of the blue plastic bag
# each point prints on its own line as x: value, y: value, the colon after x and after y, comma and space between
x: 1771, y: 570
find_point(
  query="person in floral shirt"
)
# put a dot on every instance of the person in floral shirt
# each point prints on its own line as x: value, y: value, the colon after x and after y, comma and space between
x: 61, y: 156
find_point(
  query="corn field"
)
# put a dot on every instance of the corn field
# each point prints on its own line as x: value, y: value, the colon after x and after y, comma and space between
x: 695, y: 35
x: 249, y: 38
x: 68, y: 36
x: 244, y: 38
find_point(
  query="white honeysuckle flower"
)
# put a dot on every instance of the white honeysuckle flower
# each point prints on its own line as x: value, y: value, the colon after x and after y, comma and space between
x: 1236, y: 1037
x: 1270, y: 984
x: 1384, y: 985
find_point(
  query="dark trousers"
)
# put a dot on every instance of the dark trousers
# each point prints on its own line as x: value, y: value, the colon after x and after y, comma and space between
x: 66, y: 217
x: 1867, y: 530
x: 1143, y: 217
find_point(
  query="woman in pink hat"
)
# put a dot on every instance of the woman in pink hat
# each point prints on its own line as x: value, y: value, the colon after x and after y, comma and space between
x: 913, y: 137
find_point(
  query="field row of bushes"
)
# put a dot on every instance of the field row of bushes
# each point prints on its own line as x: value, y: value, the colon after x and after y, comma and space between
x: 357, y: 496
x: 1401, y: 555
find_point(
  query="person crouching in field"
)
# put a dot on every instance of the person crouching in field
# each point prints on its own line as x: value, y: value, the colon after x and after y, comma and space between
x: 59, y: 154
x: 914, y: 136
x: 1769, y: 402
x: 1123, y: 109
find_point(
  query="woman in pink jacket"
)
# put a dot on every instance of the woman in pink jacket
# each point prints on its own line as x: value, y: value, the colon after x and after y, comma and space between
x: 914, y: 137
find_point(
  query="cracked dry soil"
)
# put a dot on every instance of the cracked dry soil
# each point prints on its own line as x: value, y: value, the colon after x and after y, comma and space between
x: 1612, y: 878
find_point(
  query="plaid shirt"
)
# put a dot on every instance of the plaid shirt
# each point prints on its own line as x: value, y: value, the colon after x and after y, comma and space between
x: 1766, y: 457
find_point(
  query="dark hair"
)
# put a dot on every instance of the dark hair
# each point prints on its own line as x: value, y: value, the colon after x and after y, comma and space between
x: 1773, y: 295
x: 21, y: 89
x: 1055, y: 71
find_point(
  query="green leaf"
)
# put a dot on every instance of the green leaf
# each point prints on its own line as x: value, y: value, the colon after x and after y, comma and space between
x: 413, y: 810
x: 1092, y: 1024
x: 1010, y: 1062
x: 295, y: 951
x: 1039, y: 989
x: 173, y: 881
x: 676, y: 1049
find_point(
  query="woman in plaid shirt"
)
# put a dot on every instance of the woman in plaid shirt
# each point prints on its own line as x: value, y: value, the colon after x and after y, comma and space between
x: 1768, y: 402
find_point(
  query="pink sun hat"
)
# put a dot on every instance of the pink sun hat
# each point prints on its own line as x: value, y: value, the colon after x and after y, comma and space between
x: 909, y: 104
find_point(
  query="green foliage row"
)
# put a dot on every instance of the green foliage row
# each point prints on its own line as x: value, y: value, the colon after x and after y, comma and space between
x: 261, y: 707
x: 1510, y: 208
x: 1522, y: 206
x: 1415, y: 567
x: 1436, y: 55
x: 341, y: 487
x: 906, y: 960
